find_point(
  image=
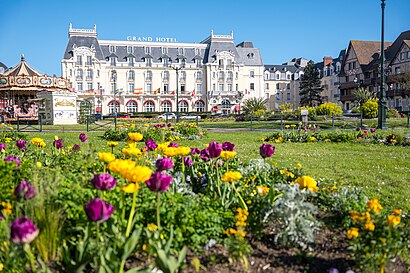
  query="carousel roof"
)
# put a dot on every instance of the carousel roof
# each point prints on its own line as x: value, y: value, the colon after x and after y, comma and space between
x: 22, y: 69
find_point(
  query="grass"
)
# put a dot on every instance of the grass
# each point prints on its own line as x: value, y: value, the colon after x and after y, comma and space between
x: 383, y: 171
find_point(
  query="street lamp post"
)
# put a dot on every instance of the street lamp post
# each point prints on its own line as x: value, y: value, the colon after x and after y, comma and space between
x: 177, y: 69
x: 114, y: 79
x: 382, y: 98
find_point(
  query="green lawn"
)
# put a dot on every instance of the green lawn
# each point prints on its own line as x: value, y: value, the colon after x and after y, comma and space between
x: 383, y: 171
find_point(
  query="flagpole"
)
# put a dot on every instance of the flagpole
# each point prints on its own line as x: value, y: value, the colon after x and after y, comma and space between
x: 114, y: 78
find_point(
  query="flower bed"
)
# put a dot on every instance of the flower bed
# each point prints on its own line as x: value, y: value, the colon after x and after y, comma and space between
x: 163, y: 205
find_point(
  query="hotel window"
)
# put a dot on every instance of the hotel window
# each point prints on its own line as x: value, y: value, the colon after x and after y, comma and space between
x: 266, y: 85
x: 130, y: 88
x: 288, y: 96
x: 229, y: 76
x: 129, y: 49
x: 166, y: 89
x: 80, y: 86
x: 89, y: 60
x: 79, y: 74
x: 288, y: 76
x: 198, y: 88
x: 408, y: 55
x: 130, y: 61
x: 149, y: 106
x: 166, y: 75
x: 229, y: 87
x: 213, y: 87
x: 278, y: 76
x: 277, y: 86
x: 181, y: 51
x: 277, y: 96
x: 183, y: 106
x: 198, y: 62
x: 229, y: 64
x: 148, y: 76
x: 164, y: 50
x: 221, y: 75
x: 71, y: 72
x: 266, y: 76
x: 200, y: 106
x: 166, y: 62
x: 236, y: 75
x: 252, y: 86
x: 252, y: 74
x: 182, y: 75
x: 79, y: 60
x: 199, y: 76
x: 402, y: 55
x: 90, y: 86
x: 183, y: 63
x: 132, y: 107
x: 147, y: 50
x: 237, y: 87
x: 149, y: 88
x: 113, y: 61
x: 111, y: 106
x: 182, y: 88
x: 148, y: 62
x: 221, y: 87
x: 131, y: 75
x: 166, y: 106
x: 112, y: 49
x: 288, y: 86
x: 89, y: 74
x: 221, y: 64
x: 98, y: 73
x: 196, y: 51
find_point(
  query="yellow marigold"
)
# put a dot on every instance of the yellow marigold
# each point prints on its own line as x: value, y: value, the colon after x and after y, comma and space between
x: 183, y: 150
x: 230, y: 231
x: 393, y: 220
x: 307, y: 182
x: 131, y: 151
x: 138, y: 174
x: 228, y: 154
x: 374, y: 205
x: 130, y: 188
x: 369, y: 225
x: 353, y: 233
x: 262, y: 190
x: 279, y: 139
x: 7, y: 139
x: 39, y: 142
x: 231, y: 176
x: 135, y: 136
x: 112, y: 143
x: 240, y: 233
x: 7, y: 208
x: 312, y: 139
x: 162, y: 146
x: 288, y: 173
x: 170, y: 151
x: 120, y: 165
x: 106, y: 157
x: 397, y: 211
x: 151, y: 227
x: 240, y: 224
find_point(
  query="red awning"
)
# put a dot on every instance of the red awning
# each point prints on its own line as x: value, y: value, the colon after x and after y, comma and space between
x: 237, y: 108
x: 215, y: 109
x: 98, y: 109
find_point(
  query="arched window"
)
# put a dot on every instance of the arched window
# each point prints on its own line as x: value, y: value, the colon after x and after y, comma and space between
x: 132, y: 107
x: 200, y: 106
x: 166, y: 106
x: 226, y: 107
x: 183, y: 106
x: 113, y: 104
x: 149, y: 106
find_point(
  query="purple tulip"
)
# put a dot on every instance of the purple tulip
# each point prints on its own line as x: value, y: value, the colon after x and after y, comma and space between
x: 23, y: 231
x: 103, y: 181
x: 98, y: 211
x: 228, y: 146
x: 195, y: 151
x: 159, y: 182
x: 333, y: 270
x: 58, y: 143
x: 151, y: 145
x: 11, y: 158
x: 83, y: 137
x: 214, y: 149
x: 2, y: 146
x: 76, y: 148
x: 204, y: 154
x: 372, y: 130
x: 164, y: 164
x: 25, y: 190
x: 266, y: 150
x: 187, y: 161
x: 358, y: 129
x: 349, y: 271
x: 173, y: 144
x: 21, y: 144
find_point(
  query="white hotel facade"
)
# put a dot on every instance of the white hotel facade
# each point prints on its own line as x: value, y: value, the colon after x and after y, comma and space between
x: 214, y: 75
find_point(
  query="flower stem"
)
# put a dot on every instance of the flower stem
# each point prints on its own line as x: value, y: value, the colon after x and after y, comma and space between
x: 30, y: 255
x: 158, y: 209
x: 240, y: 197
x: 134, y: 201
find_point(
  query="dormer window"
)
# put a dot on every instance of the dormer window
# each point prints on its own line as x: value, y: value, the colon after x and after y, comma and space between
x: 181, y: 50
x: 148, y: 62
x: 129, y: 49
x: 252, y: 74
x: 250, y: 55
x: 147, y: 50
x: 112, y: 49
x: 165, y: 62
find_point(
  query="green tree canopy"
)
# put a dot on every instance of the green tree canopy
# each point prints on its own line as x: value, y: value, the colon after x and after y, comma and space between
x: 310, y: 86
x: 361, y: 95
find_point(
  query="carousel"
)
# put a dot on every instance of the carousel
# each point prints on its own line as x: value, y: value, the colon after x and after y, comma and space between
x: 27, y: 94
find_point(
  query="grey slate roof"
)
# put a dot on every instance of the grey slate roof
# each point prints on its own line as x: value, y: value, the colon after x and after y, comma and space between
x: 4, y: 67
x: 275, y: 67
x: 247, y: 59
x: 83, y: 41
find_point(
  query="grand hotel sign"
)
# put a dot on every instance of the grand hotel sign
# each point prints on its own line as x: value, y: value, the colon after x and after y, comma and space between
x: 152, y: 39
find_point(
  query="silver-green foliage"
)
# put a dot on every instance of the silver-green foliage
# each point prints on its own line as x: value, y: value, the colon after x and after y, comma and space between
x: 296, y: 216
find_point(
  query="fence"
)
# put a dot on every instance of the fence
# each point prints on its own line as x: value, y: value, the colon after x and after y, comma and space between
x: 91, y: 120
x: 24, y: 124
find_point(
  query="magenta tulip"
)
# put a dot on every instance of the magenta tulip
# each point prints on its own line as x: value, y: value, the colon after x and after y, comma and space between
x: 159, y: 182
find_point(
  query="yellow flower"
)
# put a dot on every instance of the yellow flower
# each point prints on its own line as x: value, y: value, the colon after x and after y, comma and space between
x: 228, y: 154
x: 106, y: 157
x: 288, y: 173
x: 112, y: 143
x: 231, y: 176
x: 307, y: 182
x: 230, y: 231
x: 279, y: 139
x: 262, y: 190
x: 55, y: 137
x: 240, y: 233
x: 131, y: 151
x: 135, y: 136
x: 183, y: 150
x: 1, y: 267
x: 39, y: 142
x: 287, y: 126
x: 293, y: 125
x: 130, y: 188
x: 397, y: 211
x: 393, y: 220
x: 170, y: 151
x: 312, y: 139
x: 374, y: 205
x: 7, y: 139
x: 151, y: 227
x: 298, y: 165
x: 369, y: 225
x: 38, y: 164
x: 353, y: 233
x: 138, y: 174
x: 7, y: 208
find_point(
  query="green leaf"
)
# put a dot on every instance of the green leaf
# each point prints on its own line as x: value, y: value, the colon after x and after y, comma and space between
x: 131, y: 243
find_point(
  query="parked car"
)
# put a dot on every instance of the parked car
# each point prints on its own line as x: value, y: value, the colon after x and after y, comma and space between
x: 191, y: 117
x: 167, y: 116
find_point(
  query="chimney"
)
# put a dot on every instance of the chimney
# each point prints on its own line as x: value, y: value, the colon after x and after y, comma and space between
x: 327, y: 60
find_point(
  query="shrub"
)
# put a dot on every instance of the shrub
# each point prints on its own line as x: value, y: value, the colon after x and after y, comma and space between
x: 329, y: 109
x: 392, y: 113
x: 369, y: 109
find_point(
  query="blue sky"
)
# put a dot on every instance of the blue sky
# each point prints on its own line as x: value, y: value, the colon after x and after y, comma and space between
x: 281, y: 29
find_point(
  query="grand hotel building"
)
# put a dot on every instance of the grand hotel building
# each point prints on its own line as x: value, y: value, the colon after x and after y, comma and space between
x: 140, y: 74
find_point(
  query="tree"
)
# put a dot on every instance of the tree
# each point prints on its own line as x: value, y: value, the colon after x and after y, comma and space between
x: 310, y: 86
x: 361, y: 95
x: 252, y: 105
